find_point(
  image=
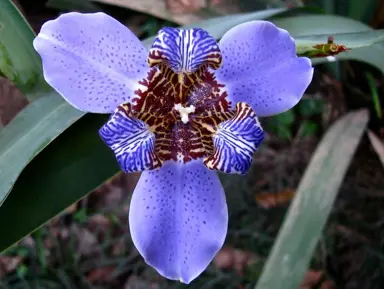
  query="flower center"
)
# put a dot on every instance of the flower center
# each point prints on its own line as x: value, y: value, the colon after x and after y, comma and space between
x: 184, y: 111
x: 180, y: 99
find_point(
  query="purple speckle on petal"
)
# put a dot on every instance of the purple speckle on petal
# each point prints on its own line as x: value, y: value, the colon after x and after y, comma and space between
x: 262, y: 68
x: 183, y: 219
x: 91, y: 58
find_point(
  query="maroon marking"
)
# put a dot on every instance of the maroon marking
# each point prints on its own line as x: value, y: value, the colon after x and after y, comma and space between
x: 154, y: 104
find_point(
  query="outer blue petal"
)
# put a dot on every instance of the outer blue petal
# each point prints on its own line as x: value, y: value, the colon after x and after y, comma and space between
x: 260, y: 67
x: 235, y: 141
x: 178, y: 219
x: 132, y: 142
x: 92, y: 60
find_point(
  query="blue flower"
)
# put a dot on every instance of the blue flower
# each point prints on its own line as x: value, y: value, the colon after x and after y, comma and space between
x: 178, y: 112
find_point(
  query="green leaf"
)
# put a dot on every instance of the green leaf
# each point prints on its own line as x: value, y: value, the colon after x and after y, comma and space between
x: 283, y: 132
x: 361, y: 10
x: 281, y: 124
x: 81, y: 215
x: 328, y: 6
x: 375, y: 94
x: 19, y: 62
x: 22, y: 271
x: 70, y: 167
x: 307, y: 127
x: 306, y: 217
x: 351, y: 40
x: 29, y: 133
x: 356, y: 9
x: 308, y: 25
x: 309, y: 107
x: 285, y: 118
x: 219, y: 25
x: 312, y: 27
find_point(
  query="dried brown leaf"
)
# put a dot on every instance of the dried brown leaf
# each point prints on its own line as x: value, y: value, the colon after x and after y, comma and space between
x: 112, y: 193
x: 28, y: 241
x: 311, y: 279
x: 179, y: 11
x: 185, y: 6
x: 135, y: 23
x: 118, y: 248
x: 135, y: 282
x: 99, y: 225
x: 98, y: 221
x: 270, y: 200
x: 230, y: 258
x: 328, y: 285
x: 11, y: 101
x: 10, y: 263
x: 71, y: 209
x: 224, y: 259
x: 156, y: 8
x: 102, y: 274
x: 87, y: 241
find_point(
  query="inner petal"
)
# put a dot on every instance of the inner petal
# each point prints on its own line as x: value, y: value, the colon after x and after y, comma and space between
x: 131, y: 140
x: 184, y: 50
x: 235, y: 142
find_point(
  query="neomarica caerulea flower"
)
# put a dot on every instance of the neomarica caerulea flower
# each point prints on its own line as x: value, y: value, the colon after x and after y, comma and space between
x: 179, y: 112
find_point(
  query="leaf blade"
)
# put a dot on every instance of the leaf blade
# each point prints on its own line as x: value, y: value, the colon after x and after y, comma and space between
x: 68, y: 169
x: 20, y: 62
x: 219, y: 25
x: 337, y: 26
x: 29, y: 132
x: 377, y: 145
x: 297, y: 238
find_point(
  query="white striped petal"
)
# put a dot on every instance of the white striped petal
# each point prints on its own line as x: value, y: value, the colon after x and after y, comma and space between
x: 131, y: 140
x: 235, y: 142
x: 184, y: 50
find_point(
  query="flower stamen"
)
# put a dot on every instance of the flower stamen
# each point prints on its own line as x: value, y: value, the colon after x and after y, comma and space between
x: 184, y: 112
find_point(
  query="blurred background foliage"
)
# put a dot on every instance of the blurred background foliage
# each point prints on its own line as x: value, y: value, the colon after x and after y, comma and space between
x: 315, y: 191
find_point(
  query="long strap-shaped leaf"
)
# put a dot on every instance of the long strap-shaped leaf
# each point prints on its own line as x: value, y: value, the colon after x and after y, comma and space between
x: 292, y: 251
x: 19, y: 62
x: 29, y: 133
x: 308, y: 28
